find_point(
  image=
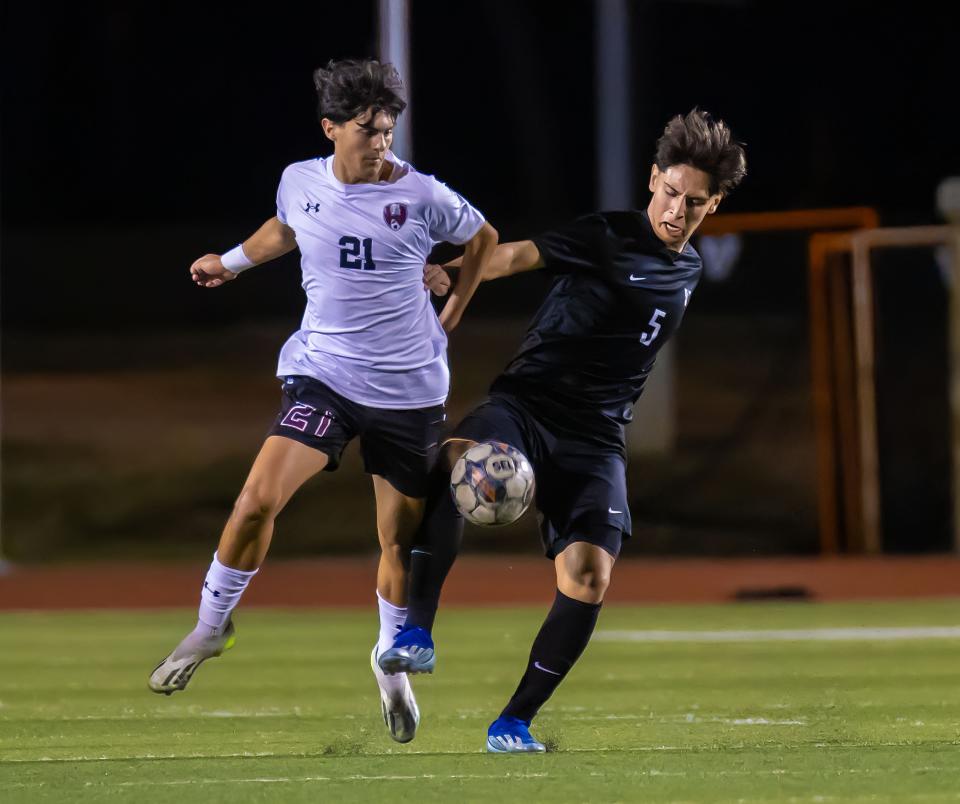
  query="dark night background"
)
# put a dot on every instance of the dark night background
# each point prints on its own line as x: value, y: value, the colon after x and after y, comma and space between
x: 136, y: 137
x: 140, y: 117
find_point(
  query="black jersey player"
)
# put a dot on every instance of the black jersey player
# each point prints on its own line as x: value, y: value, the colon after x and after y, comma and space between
x: 622, y: 284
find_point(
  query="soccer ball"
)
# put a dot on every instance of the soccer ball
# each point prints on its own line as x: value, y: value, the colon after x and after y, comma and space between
x: 492, y: 483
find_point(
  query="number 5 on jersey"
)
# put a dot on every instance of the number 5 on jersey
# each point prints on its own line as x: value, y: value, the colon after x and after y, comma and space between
x: 350, y: 253
x: 648, y: 337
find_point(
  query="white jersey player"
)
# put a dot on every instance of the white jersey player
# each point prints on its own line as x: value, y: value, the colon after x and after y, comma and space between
x: 368, y: 362
x: 369, y: 331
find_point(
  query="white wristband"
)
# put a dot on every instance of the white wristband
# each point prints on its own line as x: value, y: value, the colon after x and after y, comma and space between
x: 236, y: 261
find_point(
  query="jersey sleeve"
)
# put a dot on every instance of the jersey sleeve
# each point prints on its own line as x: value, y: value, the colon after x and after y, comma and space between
x: 583, y: 245
x: 450, y: 217
x: 281, y: 197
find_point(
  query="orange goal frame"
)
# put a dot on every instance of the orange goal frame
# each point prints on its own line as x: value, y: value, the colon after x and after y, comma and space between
x: 844, y: 223
x: 845, y: 404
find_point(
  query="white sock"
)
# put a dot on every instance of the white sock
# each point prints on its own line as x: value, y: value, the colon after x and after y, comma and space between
x: 220, y: 595
x: 392, y: 619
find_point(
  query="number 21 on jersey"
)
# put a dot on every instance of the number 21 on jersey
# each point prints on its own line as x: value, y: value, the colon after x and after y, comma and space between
x: 350, y: 253
x: 648, y: 338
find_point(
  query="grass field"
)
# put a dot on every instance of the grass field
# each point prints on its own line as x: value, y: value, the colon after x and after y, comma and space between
x: 291, y: 714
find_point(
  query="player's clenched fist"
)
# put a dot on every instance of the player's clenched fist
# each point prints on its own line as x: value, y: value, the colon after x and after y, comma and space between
x: 436, y: 280
x: 208, y: 272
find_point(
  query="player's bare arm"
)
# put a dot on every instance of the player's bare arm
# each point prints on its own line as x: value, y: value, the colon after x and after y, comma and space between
x: 272, y: 240
x: 507, y: 259
x: 479, y: 249
x: 513, y: 258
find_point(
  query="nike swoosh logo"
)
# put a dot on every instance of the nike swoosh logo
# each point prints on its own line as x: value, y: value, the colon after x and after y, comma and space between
x: 546, y: 670
x: 611, y: 511
x: 636, y: 278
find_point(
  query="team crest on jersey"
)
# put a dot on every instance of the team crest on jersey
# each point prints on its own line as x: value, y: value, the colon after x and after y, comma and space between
x: 395, y: 215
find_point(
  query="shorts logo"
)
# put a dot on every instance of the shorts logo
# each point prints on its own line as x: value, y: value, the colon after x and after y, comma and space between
x: 395, y: 215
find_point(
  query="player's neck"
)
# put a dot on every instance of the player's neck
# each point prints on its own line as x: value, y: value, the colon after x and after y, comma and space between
x: 344, y: 176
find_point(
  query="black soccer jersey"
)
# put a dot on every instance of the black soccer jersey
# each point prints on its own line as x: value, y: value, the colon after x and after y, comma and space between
x: 618, y: 296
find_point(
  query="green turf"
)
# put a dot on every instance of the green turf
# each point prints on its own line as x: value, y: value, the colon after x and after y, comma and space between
x: 291, y: 714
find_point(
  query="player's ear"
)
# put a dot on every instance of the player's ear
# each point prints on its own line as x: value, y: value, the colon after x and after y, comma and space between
x: 714, y: 203
x: 329, y: 129
x: 654, y: 172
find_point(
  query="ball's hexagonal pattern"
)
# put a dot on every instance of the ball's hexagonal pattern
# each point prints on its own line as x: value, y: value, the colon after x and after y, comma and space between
x: 492, y: 483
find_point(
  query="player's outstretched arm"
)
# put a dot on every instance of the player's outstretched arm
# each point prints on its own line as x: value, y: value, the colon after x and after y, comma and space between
x: 513, y: 258
x: 272, y: 240
x: 473, y: 264
x: 508, y: 259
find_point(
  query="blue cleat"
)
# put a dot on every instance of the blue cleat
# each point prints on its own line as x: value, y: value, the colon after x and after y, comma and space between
x: 412, y: 652
x: 510, y: 735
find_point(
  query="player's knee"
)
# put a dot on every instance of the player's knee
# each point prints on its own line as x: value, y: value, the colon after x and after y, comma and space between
x: 585, y: 575
x: 256, y: 505
x: 593, y: 580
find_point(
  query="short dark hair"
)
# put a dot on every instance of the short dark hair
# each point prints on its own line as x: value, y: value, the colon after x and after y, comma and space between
x: 698, y: 140
x: 347, y: 88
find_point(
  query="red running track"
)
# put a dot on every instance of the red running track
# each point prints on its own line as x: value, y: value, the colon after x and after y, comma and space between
x: 492, y: 580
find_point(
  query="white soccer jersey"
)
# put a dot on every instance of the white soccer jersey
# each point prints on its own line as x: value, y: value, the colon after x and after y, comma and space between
x: 369, y: 330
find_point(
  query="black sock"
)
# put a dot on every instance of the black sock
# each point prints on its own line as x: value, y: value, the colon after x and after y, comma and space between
x: 562, y: 638
x: 434, y: 550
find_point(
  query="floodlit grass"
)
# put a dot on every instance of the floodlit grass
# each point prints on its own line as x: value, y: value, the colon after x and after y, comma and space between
x: 292, y: 713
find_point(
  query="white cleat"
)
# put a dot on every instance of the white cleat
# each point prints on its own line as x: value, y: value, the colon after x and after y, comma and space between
x: 399, y: 706
x: 175, y: 672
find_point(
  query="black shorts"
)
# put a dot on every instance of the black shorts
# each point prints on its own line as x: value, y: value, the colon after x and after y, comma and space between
x: 399, y: 445
x: 581, y: 492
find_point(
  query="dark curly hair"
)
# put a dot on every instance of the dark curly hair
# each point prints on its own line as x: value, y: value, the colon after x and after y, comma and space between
x: 706, y: 144
x: 346, y: 89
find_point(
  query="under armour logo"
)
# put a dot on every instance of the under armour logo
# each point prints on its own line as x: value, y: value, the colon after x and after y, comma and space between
x: 316, y: 207
x: 214, y: 591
